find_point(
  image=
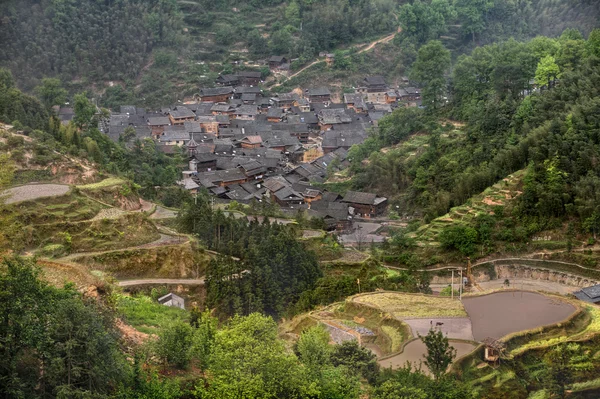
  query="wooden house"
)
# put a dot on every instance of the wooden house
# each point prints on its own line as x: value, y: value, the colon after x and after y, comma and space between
x: 228, y: 80
x: 277, y: 62
x: 275, y: 115
x: 493, y: 351
x: 209, y: 124
x: 180, y: 114
x: 251, y: 142
x: 245, y: 112
x: 318, y: 95
x: 329, y: 117
x: 172, y: 300
x: 157, y: 125
x: 391, y: 97
x: 249, y: 78
x: 216, y: 94
x: 365, y: 205
x: 329, y: 59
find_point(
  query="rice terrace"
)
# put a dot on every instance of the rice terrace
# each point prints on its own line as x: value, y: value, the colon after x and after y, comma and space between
x: 390, y: 323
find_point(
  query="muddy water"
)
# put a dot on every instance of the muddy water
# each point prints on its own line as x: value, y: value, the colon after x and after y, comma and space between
x: 502, y: 313
x: 415, y: 350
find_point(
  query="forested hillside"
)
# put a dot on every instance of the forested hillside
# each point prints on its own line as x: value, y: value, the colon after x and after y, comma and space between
x: 175, y: 46
x: 85, y: 41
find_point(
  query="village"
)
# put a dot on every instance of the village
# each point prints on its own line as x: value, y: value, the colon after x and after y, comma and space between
x: 245, y: 145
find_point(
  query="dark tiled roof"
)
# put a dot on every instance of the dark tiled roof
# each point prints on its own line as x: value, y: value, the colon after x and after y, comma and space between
x: 158, y: 121
x: 319, y: 91
x: 216, y: 91
x: 589, y: 294
x: 356, y: 197
x: 182, y: 112
x: 375, y: 81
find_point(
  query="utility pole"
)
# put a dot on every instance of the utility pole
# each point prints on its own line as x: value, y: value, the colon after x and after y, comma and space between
x: 461, y: 286
x: 452, y: 286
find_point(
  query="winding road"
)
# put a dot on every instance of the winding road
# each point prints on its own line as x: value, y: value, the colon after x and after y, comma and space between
x: 127, y: 283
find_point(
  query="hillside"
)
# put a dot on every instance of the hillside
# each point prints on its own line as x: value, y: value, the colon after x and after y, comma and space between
x: 181, y: 45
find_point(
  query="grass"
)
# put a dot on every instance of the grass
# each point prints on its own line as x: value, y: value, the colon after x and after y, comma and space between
x: 583, y: 386
x: 146, y: 315
x: 111, y: 181
x: 592, y: 328
x: 406, y: 306
x: 395, y: 337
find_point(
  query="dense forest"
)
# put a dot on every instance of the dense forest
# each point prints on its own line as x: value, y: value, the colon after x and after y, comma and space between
x: 263, y: 267
x: 84, y: 40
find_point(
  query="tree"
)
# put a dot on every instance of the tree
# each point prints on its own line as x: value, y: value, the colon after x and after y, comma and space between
x: 358, y: 359
x: 204, y: 337
x: 313, y: 348
x: 547, y: 72
x: 561, y: 364
x: 84, y: 111
x: 592, y: 46
x: 51, y: 92
x: 472, y: 14
x: 395, y: 390
x: 174, y: 344
x: 127, y: 135
x: 432, y: 62
x: 249, y: 361
x: 7, y: 170
x: 439, y: 352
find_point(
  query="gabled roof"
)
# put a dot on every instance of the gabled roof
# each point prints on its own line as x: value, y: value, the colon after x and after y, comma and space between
x: 318, y: 91
x: 589, y: 294
x: 252, y: 140
x: 182, y: 112
x: 249, y: 97
x: 222, y: 107
x: 216, y: 91
x: 334, y: 116
x: 246, y: 110
x: 277, y: 58
x: 275, y: 113
x: 357, y: 197
x: 375, y: 81
x: 288, y: 194
x: 158, y: 121
x: 228, y: 79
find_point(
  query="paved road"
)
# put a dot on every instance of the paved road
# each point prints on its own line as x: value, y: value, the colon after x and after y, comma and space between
x: 127, y: 283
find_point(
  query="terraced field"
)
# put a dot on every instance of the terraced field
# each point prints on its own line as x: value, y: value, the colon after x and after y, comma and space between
x: 482, y: 204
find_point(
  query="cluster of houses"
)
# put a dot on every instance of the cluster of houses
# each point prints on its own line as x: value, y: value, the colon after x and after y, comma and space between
x: 246, y: 146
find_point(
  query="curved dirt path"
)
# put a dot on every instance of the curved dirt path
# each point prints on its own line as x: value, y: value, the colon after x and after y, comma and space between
x: 164, y: 241
x: 370, y: 46
x: 128, y: 283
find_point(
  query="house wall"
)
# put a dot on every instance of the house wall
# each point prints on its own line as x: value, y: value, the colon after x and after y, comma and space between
x: 377, y: 97
x: 248, y: 145
x: 311, y: 154
x: 180, y: 121
x: 211, y: 127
